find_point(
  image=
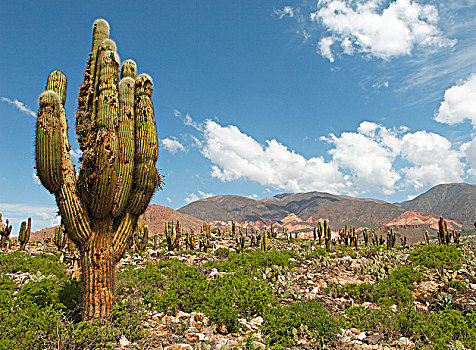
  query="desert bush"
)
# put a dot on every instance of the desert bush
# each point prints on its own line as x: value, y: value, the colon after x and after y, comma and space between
x: 435, y: 330
x: 307, y: 319
x: 437, y: 256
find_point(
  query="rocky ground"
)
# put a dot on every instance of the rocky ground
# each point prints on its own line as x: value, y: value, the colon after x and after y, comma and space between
x: 313, y: 275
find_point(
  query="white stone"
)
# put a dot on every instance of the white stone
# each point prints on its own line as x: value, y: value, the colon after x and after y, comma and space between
x: 124, y: 341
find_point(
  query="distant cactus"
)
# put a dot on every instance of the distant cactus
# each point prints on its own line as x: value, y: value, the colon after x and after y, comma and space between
x: 391, y: 239
x: 190, y: 240
x: 4, y: 232
x: 427, y: 239
x: 264, y: 241
x: 456, y: 236
x: 443, y: 237
x: 366, y: 237
x: 320, y: 232
x: 173, y: 232
x: 327, y: 237
x: 60, y: 238
x: 24, y: 235
x: 141, y: 237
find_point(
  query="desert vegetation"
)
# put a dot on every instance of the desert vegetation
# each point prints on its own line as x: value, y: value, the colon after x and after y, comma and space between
x: 237, y: 292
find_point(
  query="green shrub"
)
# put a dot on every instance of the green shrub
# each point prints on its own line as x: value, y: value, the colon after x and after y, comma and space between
x: 174, y: 286
x: 21, y: 261
x: 436, y: 256
x: 281, y: 320
x: 252, y: 260
x: 435, y: 330
x: 394, y: 289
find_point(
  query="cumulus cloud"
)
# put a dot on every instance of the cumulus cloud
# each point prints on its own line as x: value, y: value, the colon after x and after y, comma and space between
x: 469, y: 151
x: 360, y: 162
x: 370, y: 162
x: 325, y: 49
x: 286, y: 11
x: 19, y: 105
x: 459, y: 103
x: 172, y: 145
x: 433, y: 160
x: 372, y: 27
x: 236, y: 155
x: 192, y: 197
x: 36, y: 179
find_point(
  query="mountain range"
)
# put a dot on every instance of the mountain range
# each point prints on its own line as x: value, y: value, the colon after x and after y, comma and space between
x: 456, y: 202
x: 300, y: 212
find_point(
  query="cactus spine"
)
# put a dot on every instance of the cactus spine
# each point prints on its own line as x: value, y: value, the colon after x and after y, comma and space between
x: 24, y: 235
x: 117, y: 134
x: 4, y: 232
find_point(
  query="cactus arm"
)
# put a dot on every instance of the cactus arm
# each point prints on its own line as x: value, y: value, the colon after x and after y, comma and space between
x: 54, y: 165
x: 126, y: 135
x: 146, y: 176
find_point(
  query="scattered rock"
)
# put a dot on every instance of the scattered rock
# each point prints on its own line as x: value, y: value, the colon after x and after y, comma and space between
x: 124, y: 341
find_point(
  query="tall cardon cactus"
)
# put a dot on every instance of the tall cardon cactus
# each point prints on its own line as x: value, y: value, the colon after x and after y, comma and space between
x: 117, y: 134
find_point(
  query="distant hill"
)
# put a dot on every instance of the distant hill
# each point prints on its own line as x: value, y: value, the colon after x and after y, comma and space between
x: 155, y: 217
x: 308, y: 207
x: 455, y: 201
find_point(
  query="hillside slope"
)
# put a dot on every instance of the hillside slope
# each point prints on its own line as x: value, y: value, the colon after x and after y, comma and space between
x: 456, y: 201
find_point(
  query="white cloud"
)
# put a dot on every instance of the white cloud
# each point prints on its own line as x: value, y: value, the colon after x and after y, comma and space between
x: 169, y: 199
x: 469, y: 151
x: 433, y: 160
x: 236, y: 155
x: 192, y: 197
x: 187, y: 120
x: 361, y: 162
x: 41, y: 216
x: 370, y: 162
x: 76, y: 154
x: 19, y: 105
x: 459, y: 103
x: 172, y: 145
x: 286, y: 11
x: 379, y: 30
x: 325, y: 48
x: 36, y: 179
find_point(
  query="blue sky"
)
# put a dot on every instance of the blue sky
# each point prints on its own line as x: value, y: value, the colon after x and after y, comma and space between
x: 369, y: 98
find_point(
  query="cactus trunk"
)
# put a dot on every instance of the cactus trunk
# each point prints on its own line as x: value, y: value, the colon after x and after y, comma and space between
x: 98, y: 266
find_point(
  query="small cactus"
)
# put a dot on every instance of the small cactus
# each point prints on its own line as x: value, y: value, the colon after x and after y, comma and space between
x: 264, y: 241
x: 24, y: 235
x: 172, y: 234
x: 4, y: 232
x: 366, y: 237
x: 141, y: 237
x: 190, y: 240
x: 443, y: 237
x: 327, y: 237
x: 60, y: 238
